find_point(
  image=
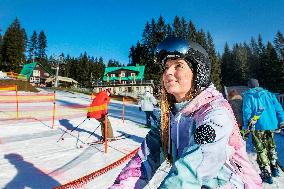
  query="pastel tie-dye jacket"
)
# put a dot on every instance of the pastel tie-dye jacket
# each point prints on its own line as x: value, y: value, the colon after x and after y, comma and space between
x: 207, y: 150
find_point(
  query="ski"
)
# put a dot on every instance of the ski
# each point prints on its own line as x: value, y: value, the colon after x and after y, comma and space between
x: 120, y: 137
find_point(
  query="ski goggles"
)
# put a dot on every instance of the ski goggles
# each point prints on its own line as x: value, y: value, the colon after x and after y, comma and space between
x: 175, y: 48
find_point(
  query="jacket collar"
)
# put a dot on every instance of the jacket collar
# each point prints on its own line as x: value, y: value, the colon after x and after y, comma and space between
x: 205, y: 97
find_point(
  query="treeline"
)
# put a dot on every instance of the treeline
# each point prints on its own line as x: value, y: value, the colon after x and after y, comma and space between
x: 17, y: 49
x: 255, y: 60
x: 234, y: 67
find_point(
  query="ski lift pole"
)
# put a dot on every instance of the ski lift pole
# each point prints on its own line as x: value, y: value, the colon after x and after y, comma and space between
x: 54, y: 108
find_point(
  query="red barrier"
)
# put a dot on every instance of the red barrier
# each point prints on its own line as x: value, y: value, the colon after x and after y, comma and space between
x: 85, y: 179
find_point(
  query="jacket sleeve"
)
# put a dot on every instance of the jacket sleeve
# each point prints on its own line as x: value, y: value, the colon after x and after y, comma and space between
x: 153, y: 100
x: 278, y: 109
x: 247, y: 111
x: 205, y: 159
x: 143, y: 165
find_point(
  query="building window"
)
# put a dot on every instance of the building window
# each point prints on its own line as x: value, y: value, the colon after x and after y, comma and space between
x: 133, y: 74
x: 31, y: 79
x: 37, y: 80
x: 122, y: 74
x: 112, y: 75
x: 36, y: 73
x: 119, y: 88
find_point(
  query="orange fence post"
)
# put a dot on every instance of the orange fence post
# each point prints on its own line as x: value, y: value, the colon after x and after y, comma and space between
x: 123, y: 110
x: 105, y: 138
x: 17, y: 101
x: 53, y: 114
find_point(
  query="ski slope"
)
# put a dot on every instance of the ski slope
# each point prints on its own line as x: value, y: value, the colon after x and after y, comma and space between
x: 34, y: 156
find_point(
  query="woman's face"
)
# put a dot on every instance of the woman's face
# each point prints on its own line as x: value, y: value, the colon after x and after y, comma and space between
x: 177, y: 78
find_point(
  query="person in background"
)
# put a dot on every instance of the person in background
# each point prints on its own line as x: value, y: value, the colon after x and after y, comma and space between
x: 146, y: 104
x: 198, y: 135
x: 272, y: 118
x: 99, y: 110
x: 236, y: 102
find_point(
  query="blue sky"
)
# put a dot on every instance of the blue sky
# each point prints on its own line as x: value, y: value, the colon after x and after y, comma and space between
x: 108, y: 28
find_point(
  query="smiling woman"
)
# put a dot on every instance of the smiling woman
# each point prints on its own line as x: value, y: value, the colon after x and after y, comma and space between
x: 198, y: 134
x: 178, y: 78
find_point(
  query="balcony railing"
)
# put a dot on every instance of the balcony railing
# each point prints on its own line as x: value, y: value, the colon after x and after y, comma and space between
x: 123, y: 83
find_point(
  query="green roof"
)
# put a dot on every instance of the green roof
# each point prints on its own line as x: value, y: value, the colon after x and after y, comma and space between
x: 139, y: 69
x: 27, y: 70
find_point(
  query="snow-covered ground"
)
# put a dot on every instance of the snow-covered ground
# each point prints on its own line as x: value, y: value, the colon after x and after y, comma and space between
x: 32, y: 156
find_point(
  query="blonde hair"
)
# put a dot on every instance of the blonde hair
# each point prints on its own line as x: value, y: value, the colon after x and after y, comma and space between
x: 167, y: 103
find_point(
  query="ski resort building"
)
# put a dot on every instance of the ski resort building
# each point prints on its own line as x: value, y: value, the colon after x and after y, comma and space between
x: 125, y: 81
x: 35, y: 73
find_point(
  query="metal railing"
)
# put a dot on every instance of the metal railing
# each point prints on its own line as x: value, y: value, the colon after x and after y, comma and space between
x: 281, y: 99
x: 123, y: 83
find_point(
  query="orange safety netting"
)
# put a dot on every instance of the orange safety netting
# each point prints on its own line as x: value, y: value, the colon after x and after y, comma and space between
x: 8, y: 88
x: 85, y: 179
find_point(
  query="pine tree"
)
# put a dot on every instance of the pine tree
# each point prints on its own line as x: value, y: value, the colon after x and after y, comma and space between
x: 160, y: 30
x: 192, y: 34
x: 14, y: 46
x: 41, y: 48
x: 226, y: 66
x: 253, y: 59
x: 32, y: 47
x: 242, y: 63
x: 274, y: 75
x: 201, y: 39
x: 279, y: 45
x: 183, y: 29
x: 139, y: 55
x: 262, y: 64
x: 215, y: 63
x: 169, y: 30
x: 113, y: 63
x: 146, y: 36
x: 177, y: 28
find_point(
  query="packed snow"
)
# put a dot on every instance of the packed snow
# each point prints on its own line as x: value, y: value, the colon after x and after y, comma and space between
x: 34, y: 156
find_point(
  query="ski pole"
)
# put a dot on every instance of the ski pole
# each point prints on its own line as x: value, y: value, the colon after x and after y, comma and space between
x: 71, y: 130
x: 253, y: 121
x: 93, y: 132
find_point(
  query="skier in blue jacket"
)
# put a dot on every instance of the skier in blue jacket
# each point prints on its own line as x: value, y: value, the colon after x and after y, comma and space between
x: 272, y: 118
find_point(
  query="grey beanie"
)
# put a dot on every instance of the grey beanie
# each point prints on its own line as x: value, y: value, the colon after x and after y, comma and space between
x: 252, y: 83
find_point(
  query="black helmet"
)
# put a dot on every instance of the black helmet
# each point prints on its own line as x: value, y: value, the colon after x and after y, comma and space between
x: 193, y: 53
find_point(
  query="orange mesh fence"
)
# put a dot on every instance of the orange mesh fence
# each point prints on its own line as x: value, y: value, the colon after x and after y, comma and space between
x: 80, y: 182
x: 26, y: 98
x: 40, y: 105
x: 8, y: 88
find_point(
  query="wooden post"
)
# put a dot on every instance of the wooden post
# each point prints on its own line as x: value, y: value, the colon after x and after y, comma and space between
x: 53, y: 114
